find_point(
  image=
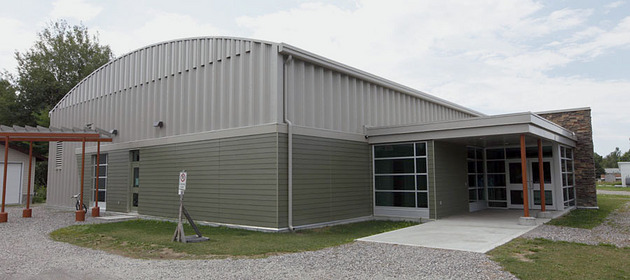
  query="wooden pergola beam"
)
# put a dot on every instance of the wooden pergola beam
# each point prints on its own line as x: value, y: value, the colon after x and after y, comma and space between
x: 42, y: 134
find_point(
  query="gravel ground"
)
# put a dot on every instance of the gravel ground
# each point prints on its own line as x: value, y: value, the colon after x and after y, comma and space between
x: 615, y: 230
x: 28, y: 253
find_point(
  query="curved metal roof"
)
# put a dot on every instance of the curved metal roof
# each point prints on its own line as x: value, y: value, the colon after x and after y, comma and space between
x: 245, y: 43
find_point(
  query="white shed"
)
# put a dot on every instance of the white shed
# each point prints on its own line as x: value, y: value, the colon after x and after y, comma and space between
x: 624, y: 168
x: 17, y: 170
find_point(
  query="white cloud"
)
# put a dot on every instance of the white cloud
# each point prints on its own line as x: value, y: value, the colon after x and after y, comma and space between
x: 76, y: 9
x: 491, y: 56
x: 21, y: 37
x: 160, y: 26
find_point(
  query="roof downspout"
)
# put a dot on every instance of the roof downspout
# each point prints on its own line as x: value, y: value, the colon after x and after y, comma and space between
x: 290, y: 140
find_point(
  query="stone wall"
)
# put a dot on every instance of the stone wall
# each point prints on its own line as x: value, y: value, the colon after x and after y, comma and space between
x: 579, y: 121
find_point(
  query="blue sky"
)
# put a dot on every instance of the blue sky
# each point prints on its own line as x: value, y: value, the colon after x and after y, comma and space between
x: 494, y: 56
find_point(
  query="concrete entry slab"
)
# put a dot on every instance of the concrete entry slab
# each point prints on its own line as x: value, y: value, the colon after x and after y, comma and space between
x: 478, y: 232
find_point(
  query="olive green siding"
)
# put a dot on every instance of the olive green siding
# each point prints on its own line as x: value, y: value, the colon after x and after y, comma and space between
x: 230, y: 180
x: 431, y: 174
x: 283, y: 180
x: 331, y: 180
x: 118, y: 182
x: 448, y: 193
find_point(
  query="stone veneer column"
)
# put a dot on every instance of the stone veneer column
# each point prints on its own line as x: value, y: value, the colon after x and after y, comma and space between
x: 579, y: 121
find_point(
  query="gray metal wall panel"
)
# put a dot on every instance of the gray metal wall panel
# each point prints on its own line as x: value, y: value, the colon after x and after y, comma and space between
x: 231, y: 180
x: 451, y: 177
x: 331, y: 180
x: 62, y: 183
x: 323, y: 98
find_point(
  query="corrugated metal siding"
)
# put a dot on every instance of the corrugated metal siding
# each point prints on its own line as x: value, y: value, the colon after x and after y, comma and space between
x: 63, y: 183
x: 192, y: 85
x: 331, y: 180
x: 323, y: 98
x: 231, y: 180
x: 451, y: 177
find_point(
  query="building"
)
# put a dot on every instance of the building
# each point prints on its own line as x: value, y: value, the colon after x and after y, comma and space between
x: 624, y: 170
x: 274, y: 137
x: 611, y: 175
x: 17, y: 181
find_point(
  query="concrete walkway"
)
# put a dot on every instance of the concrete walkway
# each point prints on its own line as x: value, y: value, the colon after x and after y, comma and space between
x: 613, y: 192
x: 478, y: 232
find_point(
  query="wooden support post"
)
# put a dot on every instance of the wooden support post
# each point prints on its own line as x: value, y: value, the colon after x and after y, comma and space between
x: 28, y: 212
x: 4, y: 217
x: 541, y: 175
x: 524, y: 175
x: 80, y: 214
x: 96, y: 211
x: 179, y: 235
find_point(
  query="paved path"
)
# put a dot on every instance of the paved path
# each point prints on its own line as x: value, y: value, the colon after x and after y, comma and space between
x: 613, y: 192
x: 478, y: 232
x: 26, y: 252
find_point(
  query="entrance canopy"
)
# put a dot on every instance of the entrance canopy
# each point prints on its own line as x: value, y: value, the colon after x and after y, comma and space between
x: 488, y: 131
x: 45, y: 134
x: 521, y: 130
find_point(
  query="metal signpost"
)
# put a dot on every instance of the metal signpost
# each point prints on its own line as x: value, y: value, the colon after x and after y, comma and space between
x: 179, y: 235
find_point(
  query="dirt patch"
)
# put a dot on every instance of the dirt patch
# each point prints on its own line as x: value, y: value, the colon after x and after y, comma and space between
x: 523, y: 256
x: 168, y: 253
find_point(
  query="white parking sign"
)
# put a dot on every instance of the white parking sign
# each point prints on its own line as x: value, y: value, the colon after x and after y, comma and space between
x: 183, y: 176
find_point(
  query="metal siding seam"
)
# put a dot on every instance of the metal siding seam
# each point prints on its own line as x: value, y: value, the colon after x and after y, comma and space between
x: 231, y: 113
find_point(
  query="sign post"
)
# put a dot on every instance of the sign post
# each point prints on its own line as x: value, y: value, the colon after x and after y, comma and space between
x: 179, y: 235
x: 179, y: 232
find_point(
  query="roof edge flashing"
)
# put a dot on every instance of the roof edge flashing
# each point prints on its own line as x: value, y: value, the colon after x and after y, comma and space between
x: 498, y: 122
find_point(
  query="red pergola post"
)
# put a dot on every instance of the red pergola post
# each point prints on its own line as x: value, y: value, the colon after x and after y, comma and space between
x: 96, y: 211
x: 80, y: 215
x: 28, y: 212
x: 524, y: 175
x: 541, y: 176
x: 4, y: 217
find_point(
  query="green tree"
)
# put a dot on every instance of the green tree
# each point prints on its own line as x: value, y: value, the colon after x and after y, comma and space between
x: 60, y: 58
x: 8, y: 102
x: 599, y: 170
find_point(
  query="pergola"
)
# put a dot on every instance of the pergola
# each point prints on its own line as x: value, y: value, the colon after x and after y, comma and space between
x: 45, y: 134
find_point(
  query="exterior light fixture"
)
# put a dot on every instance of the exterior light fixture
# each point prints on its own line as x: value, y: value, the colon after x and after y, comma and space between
x: 159, y: 124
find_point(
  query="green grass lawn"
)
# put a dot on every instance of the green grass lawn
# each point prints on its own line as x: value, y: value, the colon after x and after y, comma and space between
x: 545, y: 259
x: 152, y: 239
x: 590, y: 218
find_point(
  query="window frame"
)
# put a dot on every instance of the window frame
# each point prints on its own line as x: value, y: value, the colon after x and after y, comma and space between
x: 415, y: 157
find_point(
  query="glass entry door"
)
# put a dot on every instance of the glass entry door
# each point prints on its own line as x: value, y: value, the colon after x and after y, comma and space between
x: 535, y: 179
x: 515, y: 184
x: 135, y: 186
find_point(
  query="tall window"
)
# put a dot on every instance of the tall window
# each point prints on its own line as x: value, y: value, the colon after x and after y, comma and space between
x: 475, y: 174
x: 497, y: 193
x: 401, y: 175
x: 568, y: 184
x: 102, y: 177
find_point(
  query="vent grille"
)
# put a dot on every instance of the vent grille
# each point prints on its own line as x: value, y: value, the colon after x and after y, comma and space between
x: 59, y: 155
